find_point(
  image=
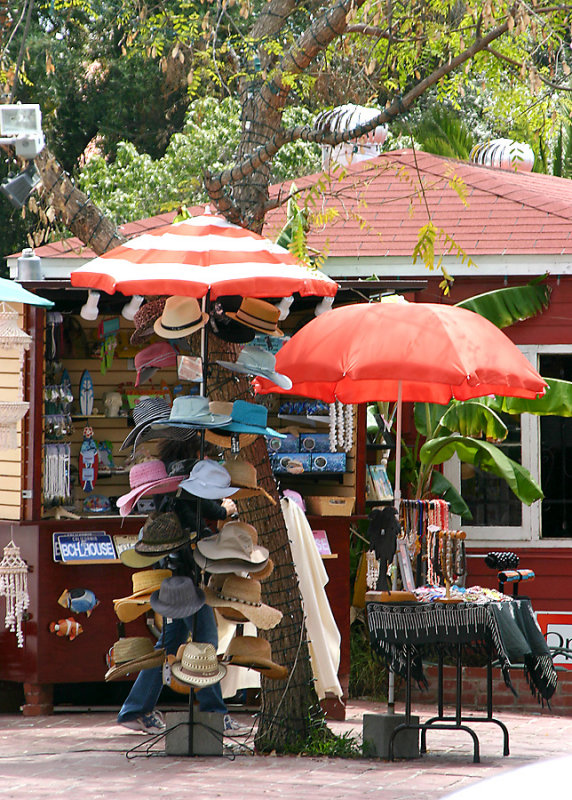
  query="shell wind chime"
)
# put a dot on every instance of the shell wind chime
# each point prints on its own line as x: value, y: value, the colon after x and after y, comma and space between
x: 14, y: 587
x: 341, y: 426
x: 12, y: 411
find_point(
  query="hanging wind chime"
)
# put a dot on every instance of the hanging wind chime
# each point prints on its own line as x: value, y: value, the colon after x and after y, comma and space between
x: 341, y: 426
x: 12, y: 411
x: 14, y: 587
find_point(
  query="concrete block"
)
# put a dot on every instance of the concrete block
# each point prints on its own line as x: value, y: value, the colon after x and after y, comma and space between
x: 207, y: 733
x: 377, y: 730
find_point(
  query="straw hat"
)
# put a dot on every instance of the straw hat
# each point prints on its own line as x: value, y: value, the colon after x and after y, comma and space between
x: 131, y: 558
x: 177, y: 597
x: 161, y: 534
x: 144, y: 319
x: 234, y: 542
x: 243, y: 474
x: 258, y: 314
x: 198, y: 665
x: 148, y: 477
x: 181, y: 317
x: 144, y: 583
x: 238, y: 600
x: 132, y: 654
x: 255, y: 653
x: 226, y: 438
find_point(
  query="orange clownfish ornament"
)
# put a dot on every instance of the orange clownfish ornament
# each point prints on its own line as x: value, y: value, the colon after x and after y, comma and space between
x: 66, y: 627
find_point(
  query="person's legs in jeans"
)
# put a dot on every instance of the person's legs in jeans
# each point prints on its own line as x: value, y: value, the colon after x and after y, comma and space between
x: 145, y: 692
x: 203, y: 628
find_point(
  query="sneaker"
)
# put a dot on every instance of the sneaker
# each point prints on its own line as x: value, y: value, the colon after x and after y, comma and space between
x: 151, y: 723
x: 233, y: 728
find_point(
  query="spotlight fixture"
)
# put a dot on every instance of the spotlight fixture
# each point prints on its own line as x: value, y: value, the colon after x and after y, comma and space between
x: 132, y: 307
x: 21, y: 126
x: 284, y: 307
x: 90, y: 309
x: 325, y: 304
x: 18, y: 188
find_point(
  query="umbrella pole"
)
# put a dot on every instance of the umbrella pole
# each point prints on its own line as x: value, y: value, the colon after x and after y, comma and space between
x: 397, y: 502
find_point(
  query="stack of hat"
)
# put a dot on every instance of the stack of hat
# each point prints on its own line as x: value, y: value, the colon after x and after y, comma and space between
x: 139, y: 601
x: 234, y: 548
x: 132, y: 654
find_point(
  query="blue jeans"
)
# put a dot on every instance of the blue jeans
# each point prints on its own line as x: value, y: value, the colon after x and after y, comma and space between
x: 145, y: 692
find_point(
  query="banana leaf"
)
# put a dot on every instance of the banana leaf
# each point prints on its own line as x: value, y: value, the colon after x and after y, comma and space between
x: 444, y: 489
x: 488, y: 458
x: 557, y: 401
x: 469, y: 418
x: 504, y: 307
x: 427, y: 418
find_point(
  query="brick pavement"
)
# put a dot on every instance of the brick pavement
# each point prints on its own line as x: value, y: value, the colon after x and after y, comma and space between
x: 84, y: 755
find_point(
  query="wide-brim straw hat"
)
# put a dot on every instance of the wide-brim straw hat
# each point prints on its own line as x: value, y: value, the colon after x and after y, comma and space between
x: 227, y: 565
x: 144, y: 319
x: 259, y: 315
x: 254, y: 653
x: 239, y: 598
x: 234, y: 542
x: 243, y: 474
x: 161, y: 534
x: 199, y: 665
x: 177, y: 598
x: 144, y: 584
x: 181, y: 317
x: 131, y: 558
x: 133, y: 654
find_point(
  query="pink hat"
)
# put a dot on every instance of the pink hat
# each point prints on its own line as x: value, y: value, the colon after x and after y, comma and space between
x: 152, y: 358
x: 149, y: 477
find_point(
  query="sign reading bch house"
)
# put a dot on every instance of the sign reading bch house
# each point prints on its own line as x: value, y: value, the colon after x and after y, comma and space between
x: 95, y: 547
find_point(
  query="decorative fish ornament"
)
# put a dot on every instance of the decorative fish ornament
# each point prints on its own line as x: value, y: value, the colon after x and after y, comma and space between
x: 80, y: 601
x: 66, y: 627
x: 86, y: 394
x: 88, y: 460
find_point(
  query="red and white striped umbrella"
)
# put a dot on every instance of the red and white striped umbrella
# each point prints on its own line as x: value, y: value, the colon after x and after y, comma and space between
x: 198, y: 255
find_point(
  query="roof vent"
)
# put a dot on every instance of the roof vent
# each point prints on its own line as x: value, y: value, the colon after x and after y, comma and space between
x: 504, y: 154
x: 344, y: 118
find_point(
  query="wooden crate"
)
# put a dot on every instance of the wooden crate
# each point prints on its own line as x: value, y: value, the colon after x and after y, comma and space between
x: 328, y: 506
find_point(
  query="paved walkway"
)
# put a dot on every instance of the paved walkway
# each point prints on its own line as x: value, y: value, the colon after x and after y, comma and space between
x: 88, y: 756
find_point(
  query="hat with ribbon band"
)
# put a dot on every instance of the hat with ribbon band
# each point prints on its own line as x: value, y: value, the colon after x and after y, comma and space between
x: 256, y: 361
x: 191, y: 411
x: 132, y: 654
x: 177, y: 598
x: 223, y: 326
x: 209, y: 480
x: 198, y: 665
x: 156, y: 356
x: 239, y: 600
x: 148, y: 477
x: 255, y: 653
x: 258, y: 314
x: 161, y: 534
x: 181, y: 317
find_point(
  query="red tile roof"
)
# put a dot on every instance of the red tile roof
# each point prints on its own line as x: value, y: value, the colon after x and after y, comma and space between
x: 380, y: 208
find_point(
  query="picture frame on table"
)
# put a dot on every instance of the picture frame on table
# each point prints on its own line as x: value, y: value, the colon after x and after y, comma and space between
x: 405, y: 568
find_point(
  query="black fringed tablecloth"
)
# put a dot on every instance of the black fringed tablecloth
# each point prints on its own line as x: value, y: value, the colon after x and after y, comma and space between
x: 509, y: 627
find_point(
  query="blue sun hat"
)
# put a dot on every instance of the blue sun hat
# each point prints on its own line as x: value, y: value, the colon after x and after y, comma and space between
x: 250, y: 418
x: 190, y: 411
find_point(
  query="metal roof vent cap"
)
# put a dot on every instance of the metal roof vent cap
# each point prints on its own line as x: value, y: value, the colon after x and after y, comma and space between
x: 344, y: 118
x: 504, y: 154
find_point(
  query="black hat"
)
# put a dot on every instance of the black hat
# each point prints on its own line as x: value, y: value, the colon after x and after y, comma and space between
x: 227, y: 329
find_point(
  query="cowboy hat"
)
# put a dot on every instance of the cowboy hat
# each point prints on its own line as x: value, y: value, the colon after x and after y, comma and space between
x: 243, y: 475
x: 152, y: 358
x: 161, y: 534
x: 256, y: 361
x: 147, y: 410
x: 198, y: 665
x: 257, y: 314
x: 255, y: 653
x: 238, y: 600
x: 181, y: 317
x: 144, y: 319
x: 177, y: 597
x: 227, y: 329
x: 250, y: 418
x: 190, y: 411
x: 209, y: 480
x: 131, y: 558
x: 148, y: 477
x: 132, y: 654
x: 223, y: 438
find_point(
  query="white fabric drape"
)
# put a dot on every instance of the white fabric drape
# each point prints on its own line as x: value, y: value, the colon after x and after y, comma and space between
x: 323, y: 634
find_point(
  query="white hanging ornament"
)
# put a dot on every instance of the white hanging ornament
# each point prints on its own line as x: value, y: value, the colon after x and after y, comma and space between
x: 372, y: 569
x: 14, y: 587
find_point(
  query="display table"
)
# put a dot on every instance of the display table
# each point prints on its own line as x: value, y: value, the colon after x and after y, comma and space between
x: 504, y: 632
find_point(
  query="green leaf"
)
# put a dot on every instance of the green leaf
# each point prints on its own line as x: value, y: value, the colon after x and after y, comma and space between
x: 428, y: 417
x: 443, y: 488
x: 474, y: 418
x: 504, y: 307
x: 488, y: 458
x: 557, y: 401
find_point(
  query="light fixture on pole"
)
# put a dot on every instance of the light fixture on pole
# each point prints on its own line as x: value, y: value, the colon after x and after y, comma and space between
x: 325, y: 304
x: 132, y: 307
x: 90, y: 309
x: 18, y: 188
x: 21, y: 126
x: 284, y: 307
